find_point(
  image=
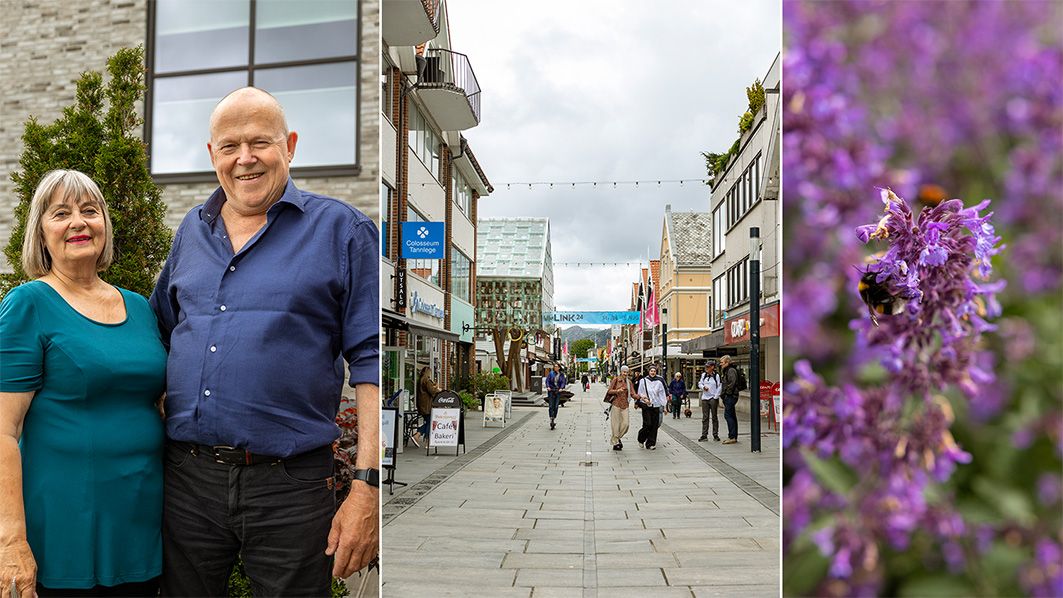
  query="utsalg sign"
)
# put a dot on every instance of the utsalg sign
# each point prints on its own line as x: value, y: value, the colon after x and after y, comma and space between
x: 736, y: 329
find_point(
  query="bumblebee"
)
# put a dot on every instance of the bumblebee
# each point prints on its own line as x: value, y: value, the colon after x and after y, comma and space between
x: 878, y: 297
x: 931, y: 195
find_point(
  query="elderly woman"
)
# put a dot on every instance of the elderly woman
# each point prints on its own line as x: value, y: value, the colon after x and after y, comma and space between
x: 618, y: 396
x: 82, y: 370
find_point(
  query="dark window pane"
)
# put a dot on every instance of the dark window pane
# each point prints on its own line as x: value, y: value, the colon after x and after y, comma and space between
x: 181, y: 108
x: 286, y: 30
x: 200, y: 34
x: 320, y: 103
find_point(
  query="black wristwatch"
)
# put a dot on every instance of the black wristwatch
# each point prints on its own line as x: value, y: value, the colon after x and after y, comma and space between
x: 369, y: 476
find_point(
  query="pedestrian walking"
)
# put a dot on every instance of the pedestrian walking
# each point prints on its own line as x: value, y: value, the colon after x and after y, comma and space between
x: 426, y: 391
x: 729, y: 394
x: 653, y: 395
x: 618, y: 396
x: 555, y: 383
x: 585, y: 381
x: 710, y: 401
x: 678, y: 390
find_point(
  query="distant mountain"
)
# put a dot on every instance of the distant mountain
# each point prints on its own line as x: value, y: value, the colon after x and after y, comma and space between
x: 575, y: 333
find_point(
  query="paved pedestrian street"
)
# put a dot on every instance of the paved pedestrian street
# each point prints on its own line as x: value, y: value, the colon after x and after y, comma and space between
x: 534, y: 512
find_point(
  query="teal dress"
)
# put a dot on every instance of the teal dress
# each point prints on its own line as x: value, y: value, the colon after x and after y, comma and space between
x: 92, y: 439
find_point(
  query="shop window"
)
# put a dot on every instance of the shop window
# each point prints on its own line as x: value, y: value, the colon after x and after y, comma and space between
x: 460, y: 274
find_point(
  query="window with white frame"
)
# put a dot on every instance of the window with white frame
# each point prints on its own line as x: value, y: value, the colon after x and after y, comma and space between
x: 738, y: 283
x: 426, y: 269
x: 744, y: 193
x: 304, y: 52
x: 719, y: 299
x: 719, y: 227
x: 387, y: 196
x: 424, y: 141
x: 460, y: 274
x: 462, y: 193
x: 386, y: 84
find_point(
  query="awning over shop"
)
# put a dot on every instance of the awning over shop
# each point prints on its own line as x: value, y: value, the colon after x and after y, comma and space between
x: 397, y: 321
x: 709, y: 342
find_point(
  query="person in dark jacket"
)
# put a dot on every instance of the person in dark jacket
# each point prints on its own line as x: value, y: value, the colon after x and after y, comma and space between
x: 586, y: 382
x: 555, y: 383
x: 678, y: 390
x: 729, y: 394
x: 426, y: 391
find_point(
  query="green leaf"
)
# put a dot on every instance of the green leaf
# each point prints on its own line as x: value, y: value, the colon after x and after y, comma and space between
x: 1002, y: 563
x: 1012, y: 503
x: 832, y: 473
x: 802, y: 571
x: 939, y: 584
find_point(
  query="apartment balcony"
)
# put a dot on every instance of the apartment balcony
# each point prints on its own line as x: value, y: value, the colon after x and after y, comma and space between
x: 448, y: 88
x: 409, y: 22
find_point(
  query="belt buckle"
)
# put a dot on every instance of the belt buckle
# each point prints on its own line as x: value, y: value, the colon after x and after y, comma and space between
x: 218, y: 451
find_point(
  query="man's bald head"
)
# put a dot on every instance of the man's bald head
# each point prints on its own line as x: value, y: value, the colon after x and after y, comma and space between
x: 250, y: 148
x: 249, y: 101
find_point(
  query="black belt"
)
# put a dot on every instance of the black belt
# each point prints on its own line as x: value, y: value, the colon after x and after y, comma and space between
x: 227, y: 455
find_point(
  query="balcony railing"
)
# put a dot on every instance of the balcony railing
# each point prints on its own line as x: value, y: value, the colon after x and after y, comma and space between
x: 451, y: 71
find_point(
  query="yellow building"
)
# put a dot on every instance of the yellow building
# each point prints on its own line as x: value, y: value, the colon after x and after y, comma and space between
x: 684, y: 289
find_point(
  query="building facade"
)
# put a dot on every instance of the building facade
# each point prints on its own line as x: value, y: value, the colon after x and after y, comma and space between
x: 744, y: 196
x: 429, y: 174
x: 514, y: 286
x: 318, y: 58
x: 685, y: 291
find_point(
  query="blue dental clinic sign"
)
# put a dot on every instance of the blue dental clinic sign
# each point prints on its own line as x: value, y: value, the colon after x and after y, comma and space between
x: 590, y: 317
x: 423, y: 240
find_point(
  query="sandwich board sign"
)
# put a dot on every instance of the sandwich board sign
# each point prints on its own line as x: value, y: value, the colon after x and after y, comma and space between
x: 446, y: 428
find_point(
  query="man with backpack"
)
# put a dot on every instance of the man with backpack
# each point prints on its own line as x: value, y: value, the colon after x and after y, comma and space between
x: 710, y: 402
x: 733, y: 382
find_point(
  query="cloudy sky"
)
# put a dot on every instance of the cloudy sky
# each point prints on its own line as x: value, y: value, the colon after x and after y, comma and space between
x: 590, y: 90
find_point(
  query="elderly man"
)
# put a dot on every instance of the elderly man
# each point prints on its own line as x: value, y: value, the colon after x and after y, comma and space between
x: 264, y: 290
x: 729, y: 394
x: 710, y: 402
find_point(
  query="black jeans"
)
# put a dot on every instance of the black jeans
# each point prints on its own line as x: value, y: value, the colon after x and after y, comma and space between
x: 730, y: 416
x: 138, y: 589
x: 276, y: 517
x: 554, y: 397
x: 651, y: 422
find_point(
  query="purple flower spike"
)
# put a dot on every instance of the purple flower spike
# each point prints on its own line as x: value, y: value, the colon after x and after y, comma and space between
x: 930, y: 261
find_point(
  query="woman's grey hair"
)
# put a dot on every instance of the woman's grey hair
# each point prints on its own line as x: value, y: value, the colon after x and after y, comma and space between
x: 60, y: 185
x: 624, y: 368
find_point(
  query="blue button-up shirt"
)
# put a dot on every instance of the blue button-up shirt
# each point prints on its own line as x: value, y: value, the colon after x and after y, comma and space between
x: 255, y: 338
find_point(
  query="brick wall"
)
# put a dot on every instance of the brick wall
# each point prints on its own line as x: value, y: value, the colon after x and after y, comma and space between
x: 46, y: 46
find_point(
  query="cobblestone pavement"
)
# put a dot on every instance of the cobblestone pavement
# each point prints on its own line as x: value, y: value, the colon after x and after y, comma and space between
x: 534, y: 512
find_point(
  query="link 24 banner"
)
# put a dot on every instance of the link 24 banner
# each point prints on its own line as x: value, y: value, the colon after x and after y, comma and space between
x: 590, y: 317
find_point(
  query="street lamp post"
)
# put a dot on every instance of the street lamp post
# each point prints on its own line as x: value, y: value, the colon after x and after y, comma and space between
x: 754, y: 339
